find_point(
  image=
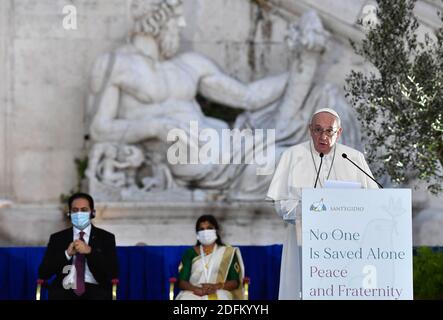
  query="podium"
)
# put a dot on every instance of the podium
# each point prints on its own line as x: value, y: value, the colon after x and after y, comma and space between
x: 356, y: 244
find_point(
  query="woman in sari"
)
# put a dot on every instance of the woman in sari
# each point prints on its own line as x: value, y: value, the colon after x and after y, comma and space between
x: 210, y: 270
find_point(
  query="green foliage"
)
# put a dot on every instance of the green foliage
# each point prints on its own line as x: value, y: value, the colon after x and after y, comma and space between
x: 400, y: 104
x: 428, y: 274
x: 81, y: 165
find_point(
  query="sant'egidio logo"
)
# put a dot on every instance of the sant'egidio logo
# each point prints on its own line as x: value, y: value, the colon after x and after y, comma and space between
x: 318, y: 206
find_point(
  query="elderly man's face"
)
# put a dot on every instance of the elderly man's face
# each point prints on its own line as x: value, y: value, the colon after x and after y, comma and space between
x: 324, y: 131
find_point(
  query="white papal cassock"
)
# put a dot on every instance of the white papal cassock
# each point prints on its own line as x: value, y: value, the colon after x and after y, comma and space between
x: 297, y: 169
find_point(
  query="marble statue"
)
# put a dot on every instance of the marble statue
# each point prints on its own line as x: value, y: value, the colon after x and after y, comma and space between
x: 143, y: 92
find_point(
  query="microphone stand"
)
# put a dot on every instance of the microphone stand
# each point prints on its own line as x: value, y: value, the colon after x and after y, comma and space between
x: 344, y: 155
x: 319, y: 167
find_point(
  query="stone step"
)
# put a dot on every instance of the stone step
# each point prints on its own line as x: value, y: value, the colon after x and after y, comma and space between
x: 146, y: 223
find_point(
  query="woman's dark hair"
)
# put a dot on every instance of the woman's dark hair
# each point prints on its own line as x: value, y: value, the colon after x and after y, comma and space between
x: 211, y: 219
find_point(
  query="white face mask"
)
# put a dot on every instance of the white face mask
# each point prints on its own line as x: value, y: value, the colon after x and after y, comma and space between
x: 80, y: 220
x: 207, y: 237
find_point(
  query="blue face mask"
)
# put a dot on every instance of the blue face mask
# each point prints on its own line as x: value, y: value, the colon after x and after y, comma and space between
x: 80, y: 220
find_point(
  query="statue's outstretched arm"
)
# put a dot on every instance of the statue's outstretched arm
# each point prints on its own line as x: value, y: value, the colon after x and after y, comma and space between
x: 229, y: 91
x: 220, y: 87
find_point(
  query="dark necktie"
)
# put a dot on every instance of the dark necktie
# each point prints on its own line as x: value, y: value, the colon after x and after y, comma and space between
x: 80, y: 270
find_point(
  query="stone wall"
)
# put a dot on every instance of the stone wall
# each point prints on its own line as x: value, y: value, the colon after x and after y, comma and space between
x: 148, y: 224
x: 45, y: 72
x: 4, y: 97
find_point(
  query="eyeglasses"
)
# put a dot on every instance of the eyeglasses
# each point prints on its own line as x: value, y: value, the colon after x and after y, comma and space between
x: 319, y: 131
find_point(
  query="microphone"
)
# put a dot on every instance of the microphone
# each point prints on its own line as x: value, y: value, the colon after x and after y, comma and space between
x: 344, y: 155
x: 319, y: 167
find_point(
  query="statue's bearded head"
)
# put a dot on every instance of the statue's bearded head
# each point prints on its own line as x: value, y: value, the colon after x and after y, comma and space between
x: 160, y: 19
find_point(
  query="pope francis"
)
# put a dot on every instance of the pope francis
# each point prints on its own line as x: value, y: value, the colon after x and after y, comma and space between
x: 306, y: 165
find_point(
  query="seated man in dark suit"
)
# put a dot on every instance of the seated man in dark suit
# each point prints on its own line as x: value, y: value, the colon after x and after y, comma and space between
x: 83, y: 258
